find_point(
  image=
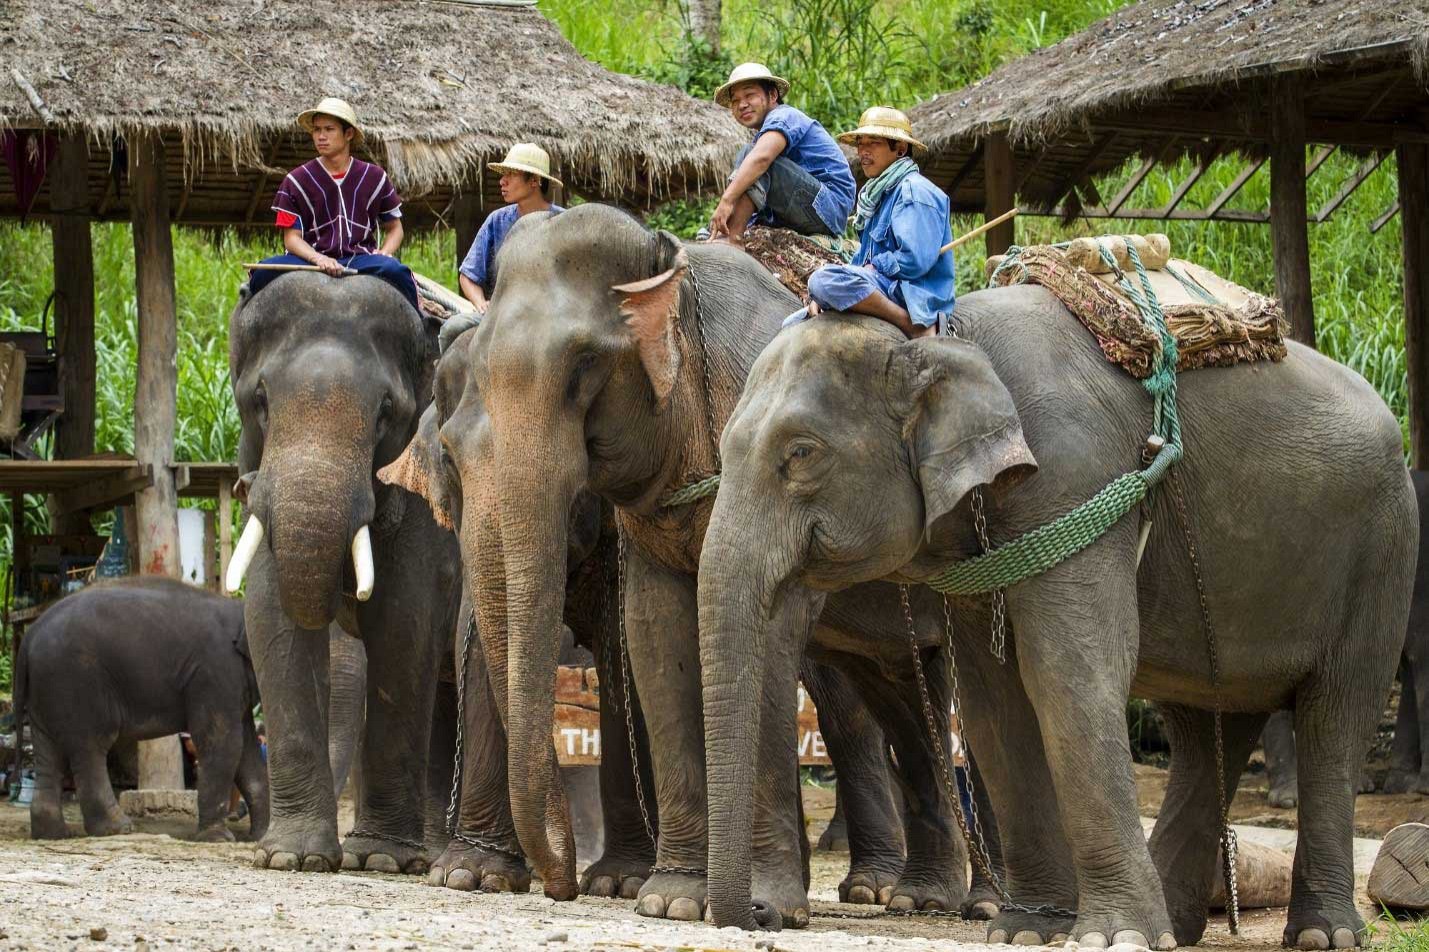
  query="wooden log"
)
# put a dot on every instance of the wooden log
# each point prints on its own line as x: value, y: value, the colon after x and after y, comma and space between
x: 466, y: 219
x: 74, y: 313
x: 225, y: 529
x: 998, y: 176
x: 1413, y: 162
x: 1289, y: 229
x: 155, y: 403
x: 1399, y: 878
x: 1262, y: 877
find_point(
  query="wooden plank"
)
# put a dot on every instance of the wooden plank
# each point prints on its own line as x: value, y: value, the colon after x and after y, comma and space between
x: 1080, y: 173
x: 1413, y: 163
x: 1290, y: 236
x: 1203, y: 162
x: 998, y: 173
x: 1384, y: 217
x: 1147, y: 164
x: 74, y: 310
x: 225, y: 528
x: 1365, y: 170
x: 1229, y: 192
x: 106, y: 492
x: 1223, y: 125
x: 210, y: 550
x: 1318, y: 159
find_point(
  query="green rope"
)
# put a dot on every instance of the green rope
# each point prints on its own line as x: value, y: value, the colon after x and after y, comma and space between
x: 1037, y: 551
x: 692, y: 492
x: 1190, y: 284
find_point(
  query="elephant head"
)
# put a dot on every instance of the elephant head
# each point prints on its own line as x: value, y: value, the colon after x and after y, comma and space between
x: 847, y: 449
x: 329, y: 378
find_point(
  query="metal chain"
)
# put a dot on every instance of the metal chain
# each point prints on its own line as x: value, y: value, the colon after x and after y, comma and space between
x: 679, y: 870
x: 1229, y: 844
x: 391, y: 838
x: 489, y: 846
x: 625, y: 680
x: 460, y: 723
x: 999, y: 596
x: 974, y: 837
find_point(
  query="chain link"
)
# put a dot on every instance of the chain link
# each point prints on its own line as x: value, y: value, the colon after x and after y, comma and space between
x: 366, y: 834
x: 489, y: 846
x: 999, y: 596
x: 1229, y: 844
x: 679, y: 870
x: 460, y: 723
x: 625, y: 680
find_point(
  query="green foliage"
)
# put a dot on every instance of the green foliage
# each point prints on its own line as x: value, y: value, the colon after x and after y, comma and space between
x: 1388, y: 934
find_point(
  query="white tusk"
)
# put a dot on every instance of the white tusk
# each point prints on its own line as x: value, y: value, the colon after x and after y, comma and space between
x: 362, y: 563
x: 243, y: 554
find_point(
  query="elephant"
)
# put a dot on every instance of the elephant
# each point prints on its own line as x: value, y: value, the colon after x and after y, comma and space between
x: 1408, y: 759
x: 330, y: 377
x: 131, y: 660
x: 605, y: 361
x: 1300, y: 512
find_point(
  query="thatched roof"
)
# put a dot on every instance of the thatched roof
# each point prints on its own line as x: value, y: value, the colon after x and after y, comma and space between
x: 441, y: 88
x: 1165, y: 77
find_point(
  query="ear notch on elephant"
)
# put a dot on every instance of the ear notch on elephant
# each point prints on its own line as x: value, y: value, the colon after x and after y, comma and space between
x: 418, y: 468
x: 963, y: 425
x: 651, y: 310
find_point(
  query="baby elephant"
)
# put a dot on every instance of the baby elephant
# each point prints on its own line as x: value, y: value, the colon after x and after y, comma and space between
x: 136, y: 660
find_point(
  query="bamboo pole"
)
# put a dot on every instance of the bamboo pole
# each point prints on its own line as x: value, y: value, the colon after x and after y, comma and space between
x: 982, y: 229
x: 260, y: 266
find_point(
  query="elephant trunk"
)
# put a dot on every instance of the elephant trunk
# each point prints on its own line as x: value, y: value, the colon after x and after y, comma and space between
x: 347, y: 697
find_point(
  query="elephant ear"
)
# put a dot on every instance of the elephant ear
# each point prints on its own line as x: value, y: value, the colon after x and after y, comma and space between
x: 419, y: 468
x: 963, y: 424
x: 651, y: 309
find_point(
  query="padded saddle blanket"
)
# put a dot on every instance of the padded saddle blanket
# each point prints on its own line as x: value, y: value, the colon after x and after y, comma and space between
x: 792, y: 257
x: 1215, y: 322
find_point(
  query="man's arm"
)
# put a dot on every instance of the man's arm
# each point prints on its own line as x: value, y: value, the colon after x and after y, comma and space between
x: 294, y: 242
x: 472, y: 292
x: 767, y: 148
x: 391, y: 237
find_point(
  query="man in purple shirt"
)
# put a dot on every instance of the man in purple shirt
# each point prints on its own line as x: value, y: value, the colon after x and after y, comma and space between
x: 331, y: 208
x: 525, y: 182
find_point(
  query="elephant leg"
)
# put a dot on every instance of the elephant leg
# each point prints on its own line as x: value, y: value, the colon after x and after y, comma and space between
x: 1081, y: 616
x: 102, y: 816
x: 983, y: 901
x: 47, y: 821
x: 253, y: 780
x: 441, y: 763
x: 1186, y: 839
x: 859, y: 753
x: 629, y: 853
x: 292, y: 666
x: 1418, y: 669
x: 484, y: 810
x: 1404, y: 754
x: 219, y: 752
x: 834, y: 839
x: 662, y: 634
x: 1280, y: 764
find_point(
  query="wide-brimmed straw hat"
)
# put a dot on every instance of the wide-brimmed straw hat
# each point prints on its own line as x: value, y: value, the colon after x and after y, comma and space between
x: 526, y: 157
x: 338, y: 109
x: 886, y: 123
x: 749, y: 73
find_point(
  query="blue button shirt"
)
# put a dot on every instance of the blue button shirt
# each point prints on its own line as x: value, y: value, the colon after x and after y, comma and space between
x: 477, y: 263
x: 903, y: 240
x: 812, y: 148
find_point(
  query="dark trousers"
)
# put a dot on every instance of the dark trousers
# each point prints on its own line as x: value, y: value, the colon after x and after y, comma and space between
x: 388, y: 269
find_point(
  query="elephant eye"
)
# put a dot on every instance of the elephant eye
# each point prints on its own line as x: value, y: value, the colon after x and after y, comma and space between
x: 800, y: 452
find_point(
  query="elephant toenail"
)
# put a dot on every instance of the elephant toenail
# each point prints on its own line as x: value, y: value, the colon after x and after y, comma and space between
x: 885, y: 894
x: 1128, y: 947
x: 684, y: 909
x: 1312, y: 939
x: 1093, y: 940
x: 902, y: 904
x: 652, y: 906
x: 932, y: 905
x: 1344, y: 938
x: 351, y: 861
x: 283, y: 860
x: 983, y: 911
x: 436, y: 876
x: 463, y: 880
x: 861, y: 895
x: 997, y: 936
x: 1027, y: 937
x: 1166, y: 942
x: 800, y: 918
x: 602, y: 886
x: 260, y: 859
x: 494, y: 883
x: 1131, y: 937
x: 1059, y: 937
x: 630, y: 887
x: 316, y: 864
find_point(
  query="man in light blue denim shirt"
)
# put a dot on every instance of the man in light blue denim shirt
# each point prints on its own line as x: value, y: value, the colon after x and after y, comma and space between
x: 901, y: 273
x: 525, y: 182
x: 792, y: 175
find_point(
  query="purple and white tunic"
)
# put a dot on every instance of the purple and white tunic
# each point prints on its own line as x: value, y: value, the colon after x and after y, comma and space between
x: 338, y: 214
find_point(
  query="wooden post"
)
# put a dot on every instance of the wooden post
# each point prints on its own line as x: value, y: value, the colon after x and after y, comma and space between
x: 1289, y: 229
x: 74, y: 314
x: 998, y: 176
x: 466, y: 219
x: 155, y: 403
x: 210, y: 550
x: 1413, y: 162
x: 225, y: 530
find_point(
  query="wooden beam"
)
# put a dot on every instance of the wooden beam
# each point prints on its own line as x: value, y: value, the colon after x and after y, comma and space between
x: 961, y: 175
x: 998, y: 173
x: 225, y: 528
x: 466, y: 219
x: 260, y: 181
x: 1384, y: 218
x: 1366, y: 169
x: 1290, y: 235
x: 1219, y: 125
x: 1203, y: 162
x: 1083, y: 168
x: 74, y: 314
x: 1024, y: 174
x: 1229, y: 192
x: 1147, y: 164
x: 1413, y: 162
x: 1318, y: 159
x: 155, y: 402
x: 106, y: 492
x: 1235, y: 215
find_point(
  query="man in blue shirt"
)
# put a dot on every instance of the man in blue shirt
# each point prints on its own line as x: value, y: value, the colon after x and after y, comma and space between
x: 525, y: 182
x: 901, y: 273
x: 793, y: 175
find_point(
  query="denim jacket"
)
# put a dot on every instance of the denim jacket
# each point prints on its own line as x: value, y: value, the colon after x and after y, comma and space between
x: 902, y: 240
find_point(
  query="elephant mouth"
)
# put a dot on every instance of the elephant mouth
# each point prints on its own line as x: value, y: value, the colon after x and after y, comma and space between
x: 252, y: 538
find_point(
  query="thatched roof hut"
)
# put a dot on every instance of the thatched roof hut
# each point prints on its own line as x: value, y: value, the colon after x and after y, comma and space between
x: 441, y: 87
x: 1162, y: 78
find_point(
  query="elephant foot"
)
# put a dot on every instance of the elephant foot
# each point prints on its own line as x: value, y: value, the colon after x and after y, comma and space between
x: 926, y: 891
x: 378, y: 854
x: 48, y: 827
x: 673, y: 895
x: 1285, y: 796
x: 834, y: 839
x: 782, y: 891
x: 1366, y: 783
x: 869, y: 885
x: 214, y: 834
x: 1026, y: 928
x: 1151, y: 929
x: 612, y: 876
x: 1325, y: 928
x: 981, y: 904
x: 114, y: 824
x: 1401, y: 781
x: 311, y: 851
x: 465, y: 867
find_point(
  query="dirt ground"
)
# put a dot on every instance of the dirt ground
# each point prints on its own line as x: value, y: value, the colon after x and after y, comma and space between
x: 154, y: 890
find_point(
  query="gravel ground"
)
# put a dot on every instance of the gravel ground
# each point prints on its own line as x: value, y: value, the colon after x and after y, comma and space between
x: 152, y: 890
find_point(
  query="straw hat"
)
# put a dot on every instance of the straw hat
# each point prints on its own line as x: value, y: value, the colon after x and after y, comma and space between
x: 526, y: 157
x: 338, y: 109
x: 749, y: 73
x: 886, y: 123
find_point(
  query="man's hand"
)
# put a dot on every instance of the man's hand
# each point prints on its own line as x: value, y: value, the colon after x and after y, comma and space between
x: 719, y: 221
x: 814, y: 309
x: 329, y: 265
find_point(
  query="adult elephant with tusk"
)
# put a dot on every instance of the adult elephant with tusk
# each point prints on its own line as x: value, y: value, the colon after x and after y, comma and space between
x: 330, y: 377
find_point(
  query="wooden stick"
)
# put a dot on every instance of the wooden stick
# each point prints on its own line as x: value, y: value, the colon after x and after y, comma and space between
x: 982, y: 229
x: 260, y: 266
x: 36, y: 102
